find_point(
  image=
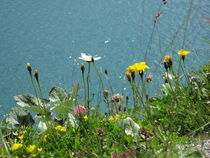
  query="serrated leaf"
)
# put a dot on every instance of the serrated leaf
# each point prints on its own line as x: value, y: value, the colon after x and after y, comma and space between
x: 64, y: 107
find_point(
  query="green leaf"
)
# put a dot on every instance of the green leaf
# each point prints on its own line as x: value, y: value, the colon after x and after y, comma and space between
x: 19, y: 117
x: 195, y: 154
x: 57, y: 94
x: 64, y: 107
x: 36, y: 109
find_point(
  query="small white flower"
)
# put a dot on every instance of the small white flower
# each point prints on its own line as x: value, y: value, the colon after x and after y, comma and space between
x: 88, y: 58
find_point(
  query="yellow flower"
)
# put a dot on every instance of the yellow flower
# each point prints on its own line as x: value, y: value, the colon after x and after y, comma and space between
x: 31, y: 148
x: 183, y: 52
x: 138, y: 67
x: 16, y: 146
x: 60, y: 128
x: 45, y: 138
x: 85, y: 117
x: 128, y: 75
x: 39, y: 149
x: 92, y: 109
x: 111, y: 118
x: 168, y: 58
x: 131, y: 68
x: 117, y: 116
x: 21, y: 137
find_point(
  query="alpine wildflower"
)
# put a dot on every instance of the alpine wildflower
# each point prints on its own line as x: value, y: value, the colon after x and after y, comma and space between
x: 39, y: 149
x: 111, y: 118
x: 60, y: 128
x: 79, y: 109
x: 16, y: 146
x: 117, y: 116
x: 183, y: 53
x: 85, y: 117
x: 31, y: 148
x: 88, y: 58
x: 21, y: 137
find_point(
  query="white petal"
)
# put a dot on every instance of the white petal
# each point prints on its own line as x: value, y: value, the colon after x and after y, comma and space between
x: 97, y: 58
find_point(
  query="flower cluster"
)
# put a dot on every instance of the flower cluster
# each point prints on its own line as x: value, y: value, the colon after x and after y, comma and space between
x: 31, y: 148
x: 117, y: 98
x: 136, y: 68
x: 79, y: 109
x: 16, y: 146
x: 112, y: 118
x: 60, y: 128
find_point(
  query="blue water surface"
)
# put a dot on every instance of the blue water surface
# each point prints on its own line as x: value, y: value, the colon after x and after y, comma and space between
x: 51, y: 34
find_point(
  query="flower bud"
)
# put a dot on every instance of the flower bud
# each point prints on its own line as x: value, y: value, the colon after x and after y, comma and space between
x: 167, y: 62
x: 106, y: 93
x: 133, y: 75
x: 106, y: 72
x: 149, y: 78
x: 82, y: 66
x: 28, y: 66
x: 128, y: 75
x: 141, y: 73
x: 36, y: 75
x: 127, y: 98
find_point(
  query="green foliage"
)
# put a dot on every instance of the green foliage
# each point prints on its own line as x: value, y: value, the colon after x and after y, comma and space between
x: 159, y: 126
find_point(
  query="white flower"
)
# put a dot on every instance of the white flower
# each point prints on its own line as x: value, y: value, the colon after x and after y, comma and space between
x: 88, y: 58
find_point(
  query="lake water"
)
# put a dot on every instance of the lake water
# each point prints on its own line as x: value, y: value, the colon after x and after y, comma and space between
x: 52, y: 34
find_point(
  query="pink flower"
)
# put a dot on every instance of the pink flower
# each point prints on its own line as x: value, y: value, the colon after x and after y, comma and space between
x: 117, y: 98
x: 149, y: 78
x: 79, y: 109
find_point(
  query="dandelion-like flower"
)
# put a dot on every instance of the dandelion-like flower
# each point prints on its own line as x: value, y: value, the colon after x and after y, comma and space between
x: 31, y: 148
x: 88, y: 58
x: 79, y: 109
x: 138, y: 67
x: 16, y: 146
x: 183, y: 53
x: 60, y: 128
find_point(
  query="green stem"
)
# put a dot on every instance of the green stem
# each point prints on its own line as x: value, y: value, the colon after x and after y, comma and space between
x: 88, y: 88
x: 85, y: 90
